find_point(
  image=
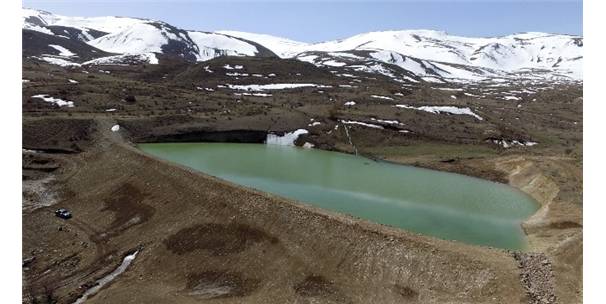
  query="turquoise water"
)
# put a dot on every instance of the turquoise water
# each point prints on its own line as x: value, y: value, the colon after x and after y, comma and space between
x: 445, y: 205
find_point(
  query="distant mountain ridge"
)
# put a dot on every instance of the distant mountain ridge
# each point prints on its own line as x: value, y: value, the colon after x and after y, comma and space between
x: 561, y: 54
x: 431, y: 55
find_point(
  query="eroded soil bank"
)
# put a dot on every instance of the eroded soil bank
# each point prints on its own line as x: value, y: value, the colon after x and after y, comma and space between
x: 202, y: 238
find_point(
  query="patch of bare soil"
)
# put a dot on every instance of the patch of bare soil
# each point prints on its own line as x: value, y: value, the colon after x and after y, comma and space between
x: 38, y: 178
x: 565, y: 225
x: 317, y: 286
x: 218, y: 239
x: 219, y: 284
x: 57, y: 135
x: 126, y: 204
x: 407, y: 293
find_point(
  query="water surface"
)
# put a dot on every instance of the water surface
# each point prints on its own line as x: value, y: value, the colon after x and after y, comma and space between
x: 445, y: 205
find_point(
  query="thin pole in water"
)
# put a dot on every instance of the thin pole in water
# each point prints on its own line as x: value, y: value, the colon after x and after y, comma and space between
x: 349, y: 137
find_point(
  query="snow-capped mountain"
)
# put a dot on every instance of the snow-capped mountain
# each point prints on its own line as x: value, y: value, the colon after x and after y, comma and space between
x: 560, y: 54
x: 133, y: 36
x: 408, y: 55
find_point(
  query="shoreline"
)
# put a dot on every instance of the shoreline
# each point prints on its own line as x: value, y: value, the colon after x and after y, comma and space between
x: 525, y: 248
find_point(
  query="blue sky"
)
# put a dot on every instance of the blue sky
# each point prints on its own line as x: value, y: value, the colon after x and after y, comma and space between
x: 316, y: 20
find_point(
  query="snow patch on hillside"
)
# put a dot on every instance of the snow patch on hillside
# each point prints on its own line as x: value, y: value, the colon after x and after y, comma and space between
x: 364, y: 124
x: 106, y: 24
x: 58, y: 61
x: 124, y: 59
x: 443, y: 109
x: 37, y: 29
x: 510, y: 143
x: 58, y: 101
x: 381, y: 97
x: 138, y: 38
x: 99, y: 284
x: 386, y: 121
x: 288, y: 139
x: 212, y: 44
x: 273, y: 86
x: 235, y: 67
x: 62, y: 51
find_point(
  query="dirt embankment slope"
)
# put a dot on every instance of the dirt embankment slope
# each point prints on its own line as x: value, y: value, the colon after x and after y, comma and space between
x: 555, y: 231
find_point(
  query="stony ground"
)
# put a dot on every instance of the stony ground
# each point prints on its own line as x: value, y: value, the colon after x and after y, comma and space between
x: 201, y: 239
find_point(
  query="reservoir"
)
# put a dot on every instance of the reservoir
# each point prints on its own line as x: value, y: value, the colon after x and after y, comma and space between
x: 440, y: 204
